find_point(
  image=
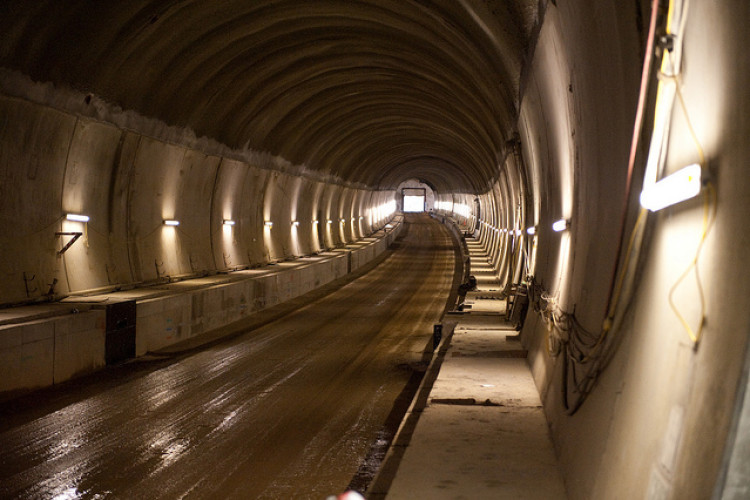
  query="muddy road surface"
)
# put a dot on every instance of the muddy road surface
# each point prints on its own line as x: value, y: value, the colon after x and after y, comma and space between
x: 287, y: 410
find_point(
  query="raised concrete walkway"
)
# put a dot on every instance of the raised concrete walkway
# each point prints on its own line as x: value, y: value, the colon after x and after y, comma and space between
x: 480, y: 431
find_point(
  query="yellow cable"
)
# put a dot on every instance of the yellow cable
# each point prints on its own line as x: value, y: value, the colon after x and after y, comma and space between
x: 607, y: 326
x: 707, y: 225
x: 693, y: 135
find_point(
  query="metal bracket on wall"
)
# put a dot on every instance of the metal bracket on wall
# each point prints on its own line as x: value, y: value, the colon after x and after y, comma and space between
x: 26, y: 281
x: 75, y: 236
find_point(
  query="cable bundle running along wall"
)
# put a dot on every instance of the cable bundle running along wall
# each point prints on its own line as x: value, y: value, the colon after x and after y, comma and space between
x: 586, y: 353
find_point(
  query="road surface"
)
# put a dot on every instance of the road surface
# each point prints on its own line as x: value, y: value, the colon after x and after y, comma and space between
x: 288, y: 410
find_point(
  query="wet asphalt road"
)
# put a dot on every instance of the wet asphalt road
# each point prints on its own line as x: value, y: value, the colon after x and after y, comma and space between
x: 289, y: 410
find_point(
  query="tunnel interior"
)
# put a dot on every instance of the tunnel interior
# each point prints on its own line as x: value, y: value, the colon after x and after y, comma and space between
x: 153, y: 141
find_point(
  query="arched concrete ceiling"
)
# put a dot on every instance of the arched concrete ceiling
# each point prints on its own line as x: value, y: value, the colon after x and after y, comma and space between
x: 369, y: 91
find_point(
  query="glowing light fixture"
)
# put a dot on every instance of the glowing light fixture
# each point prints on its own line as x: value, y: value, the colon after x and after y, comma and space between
x: 268, y: 224
x: 531, y: 230
x: 77, y: 217
x: 361, y: 217
x: 171, y: 222
x: 519, y: 232
x: 295, y: 223
x: 342, y: 220
x: 680, y: 186
x: 229, y: 222
x: 388, y: 226
x: 329, y: 221
x: 560, y: 225
x: 315, y: 221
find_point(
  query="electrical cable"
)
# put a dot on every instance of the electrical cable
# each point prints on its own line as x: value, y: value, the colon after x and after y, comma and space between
x: 645, y: 78
x: 707, y: 225
x: 579, y: 350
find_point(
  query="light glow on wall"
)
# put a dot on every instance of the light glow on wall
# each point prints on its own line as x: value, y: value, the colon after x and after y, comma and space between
x: 680, y: 186
x: 461, y: 209
x: 444, y: 205
x: 383, y: 211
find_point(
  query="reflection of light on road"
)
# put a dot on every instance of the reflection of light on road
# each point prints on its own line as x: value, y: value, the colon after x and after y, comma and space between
x: 169, y: 447
x: 69, y: 494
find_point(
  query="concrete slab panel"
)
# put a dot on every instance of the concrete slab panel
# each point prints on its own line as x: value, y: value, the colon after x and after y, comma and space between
x: 462, y: 452
x: 26, y: 356
x: 79, y: 344
x: 499, y: 381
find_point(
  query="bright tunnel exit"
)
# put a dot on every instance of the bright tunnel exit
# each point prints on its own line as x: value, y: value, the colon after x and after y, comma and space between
x: 415, y: 196
x: 413, y: 203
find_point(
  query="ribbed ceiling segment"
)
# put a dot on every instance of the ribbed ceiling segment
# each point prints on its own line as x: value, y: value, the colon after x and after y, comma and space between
x: 372, y: 92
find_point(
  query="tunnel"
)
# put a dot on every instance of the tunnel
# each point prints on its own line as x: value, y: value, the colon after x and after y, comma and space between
x: 170, y: 169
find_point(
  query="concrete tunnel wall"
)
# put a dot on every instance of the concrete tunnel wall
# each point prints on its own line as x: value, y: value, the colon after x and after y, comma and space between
x: 659, y: 421
x: 55, y: 163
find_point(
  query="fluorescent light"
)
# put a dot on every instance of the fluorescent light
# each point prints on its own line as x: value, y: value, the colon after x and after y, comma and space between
x: 680, y: 186
x: 531, y: 231
x: 329, y: 221
x: 268, y: 223
x: 295, y: 223
x: 560, y: 225
x: 171, y: 222
x: 228, y: 222
x: 315, y: 221
x: 77, y: 217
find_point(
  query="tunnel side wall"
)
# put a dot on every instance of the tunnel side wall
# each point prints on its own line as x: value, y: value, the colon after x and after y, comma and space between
x: 656, y: 422
x: 54, y: 162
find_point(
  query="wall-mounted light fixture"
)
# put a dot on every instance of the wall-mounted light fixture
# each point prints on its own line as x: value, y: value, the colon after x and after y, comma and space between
x: 171, y: 222
x: 560, y: 225
x: 229, y: 222
x: 316, y: 221
x: 518, y: 232
x: 531, y: 231
x: 77, y: 217
x: 295, y: 223
x: 329, y: 221
x: 268, y: 224
x: 361, y: 217
x: 680, y: 186
x: 342, y: 220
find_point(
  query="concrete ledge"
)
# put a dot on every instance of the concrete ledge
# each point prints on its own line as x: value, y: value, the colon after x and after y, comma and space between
x: 41, y: 345
x: 46, y: 351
